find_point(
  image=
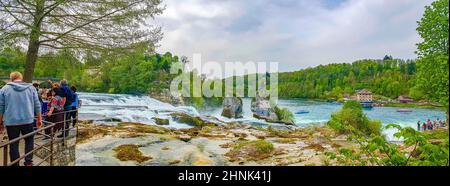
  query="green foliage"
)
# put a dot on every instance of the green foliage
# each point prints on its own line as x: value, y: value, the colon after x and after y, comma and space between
x: 432, y: 66
x: 2, y: 83
x: 432, y: 77
x: 351, y: 117
x: 390, y: 78
x: 417, y: 149
x: 135, y: 72
x: 197, y: 102
x: 11, y: 59
x: 433, y: 29
x: 284, y: 115
x: 261, y: 146
x: 139, y: 74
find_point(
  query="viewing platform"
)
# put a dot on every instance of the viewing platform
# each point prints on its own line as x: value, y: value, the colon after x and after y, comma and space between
x: 49, y: 149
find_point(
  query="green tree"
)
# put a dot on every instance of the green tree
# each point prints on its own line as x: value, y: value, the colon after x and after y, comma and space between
x: 351, y: 116
x: 432, y: 66
x: 433, y: 28
x: 417, y: 149
x: 76, y: 25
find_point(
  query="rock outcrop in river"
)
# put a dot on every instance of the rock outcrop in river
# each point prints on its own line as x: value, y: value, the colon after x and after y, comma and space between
x: 166, y: 97
x: 232, y: 107
x: 262, y: 109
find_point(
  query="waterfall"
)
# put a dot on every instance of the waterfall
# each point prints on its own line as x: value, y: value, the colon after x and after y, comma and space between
x: 128, y: 108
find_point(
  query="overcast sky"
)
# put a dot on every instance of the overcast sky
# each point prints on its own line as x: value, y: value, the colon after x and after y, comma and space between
x: 295, y: 33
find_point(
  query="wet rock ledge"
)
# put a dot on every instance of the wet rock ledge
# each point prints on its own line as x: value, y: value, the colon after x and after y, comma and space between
x: 206, y: 143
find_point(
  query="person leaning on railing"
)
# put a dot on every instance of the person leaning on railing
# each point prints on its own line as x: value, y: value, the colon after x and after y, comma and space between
x: 55, y: 111
x: 19, y: 104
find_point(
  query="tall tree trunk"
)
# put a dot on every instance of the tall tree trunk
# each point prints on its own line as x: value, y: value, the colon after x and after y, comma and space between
x: 32, y: 54
x: 33, y: 43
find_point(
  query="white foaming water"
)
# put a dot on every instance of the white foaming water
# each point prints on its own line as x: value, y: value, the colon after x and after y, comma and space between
x: 142, y: 109
x: 129, y: 108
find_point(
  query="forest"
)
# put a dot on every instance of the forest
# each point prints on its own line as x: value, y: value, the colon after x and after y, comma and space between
x: 134, y: 73
x: 140, y: 73
x: 387, y: 77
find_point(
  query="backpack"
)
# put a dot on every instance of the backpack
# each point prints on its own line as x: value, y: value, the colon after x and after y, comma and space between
x: 70, y: 97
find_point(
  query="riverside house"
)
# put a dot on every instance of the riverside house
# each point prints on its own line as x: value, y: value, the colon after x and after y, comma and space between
x: 364, y: 96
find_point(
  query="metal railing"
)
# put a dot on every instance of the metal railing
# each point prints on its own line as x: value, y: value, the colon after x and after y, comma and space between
x: 3, y: 78
x: 48, y: 133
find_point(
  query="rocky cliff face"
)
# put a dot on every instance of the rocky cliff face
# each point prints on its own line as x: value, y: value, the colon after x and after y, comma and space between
x: 262, y: 109
x: 167, y: 97
x: 232, y: 107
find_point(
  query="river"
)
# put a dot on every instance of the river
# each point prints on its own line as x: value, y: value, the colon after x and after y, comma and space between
x: 143, y: 108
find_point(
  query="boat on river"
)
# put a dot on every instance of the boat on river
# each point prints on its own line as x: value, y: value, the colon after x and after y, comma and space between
x: 302, y: 112
x: 404, y: 110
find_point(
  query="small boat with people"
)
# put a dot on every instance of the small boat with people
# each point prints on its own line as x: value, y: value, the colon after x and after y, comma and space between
x: 404, y: 110
x: 302, y: 112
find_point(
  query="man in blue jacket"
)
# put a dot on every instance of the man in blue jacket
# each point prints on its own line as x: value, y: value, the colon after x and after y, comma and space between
x: 19, y: 104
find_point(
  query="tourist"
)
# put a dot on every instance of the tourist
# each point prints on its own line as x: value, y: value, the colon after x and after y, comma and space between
x: 56, y: 85
x: 418, y: 125
x: 424, y: 126
x: 19, y: 104
x: 56, y: 107
x: 429, y: 126
x: 49, y: 83
x: 36, y: 85
x: 68, y: 99
x: 75, y: 106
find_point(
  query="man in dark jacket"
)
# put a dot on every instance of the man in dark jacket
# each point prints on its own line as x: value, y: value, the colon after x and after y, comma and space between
x: 68, y: 99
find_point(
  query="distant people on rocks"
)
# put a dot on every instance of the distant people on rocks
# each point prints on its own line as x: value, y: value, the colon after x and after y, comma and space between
x: 418, y: 125
x: 431, y: 125
x: 19, y: 105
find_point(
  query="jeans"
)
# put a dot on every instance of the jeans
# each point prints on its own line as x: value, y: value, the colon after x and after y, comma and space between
x: 13, y: 133
x: 73, y: 116
x: 67, y: 119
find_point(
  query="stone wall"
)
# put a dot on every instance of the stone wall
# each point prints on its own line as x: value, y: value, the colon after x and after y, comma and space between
x: 64, y: 151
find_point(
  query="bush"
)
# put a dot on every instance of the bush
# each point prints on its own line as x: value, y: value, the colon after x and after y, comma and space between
x: 260, y: 145
x: 351, y: 117
x: 2, y: 83
x: 417, y: 149
x: 251, y: 150
x: 284, y: 115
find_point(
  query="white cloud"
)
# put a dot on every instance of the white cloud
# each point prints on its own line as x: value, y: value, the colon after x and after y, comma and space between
x: 295, y: 33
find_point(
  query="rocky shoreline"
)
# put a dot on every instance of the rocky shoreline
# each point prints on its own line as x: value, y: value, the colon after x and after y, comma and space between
x: 205, y: 143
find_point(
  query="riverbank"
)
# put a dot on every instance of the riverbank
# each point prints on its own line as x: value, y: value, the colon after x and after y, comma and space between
x: 231, y: 144
x: 416, y: 105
